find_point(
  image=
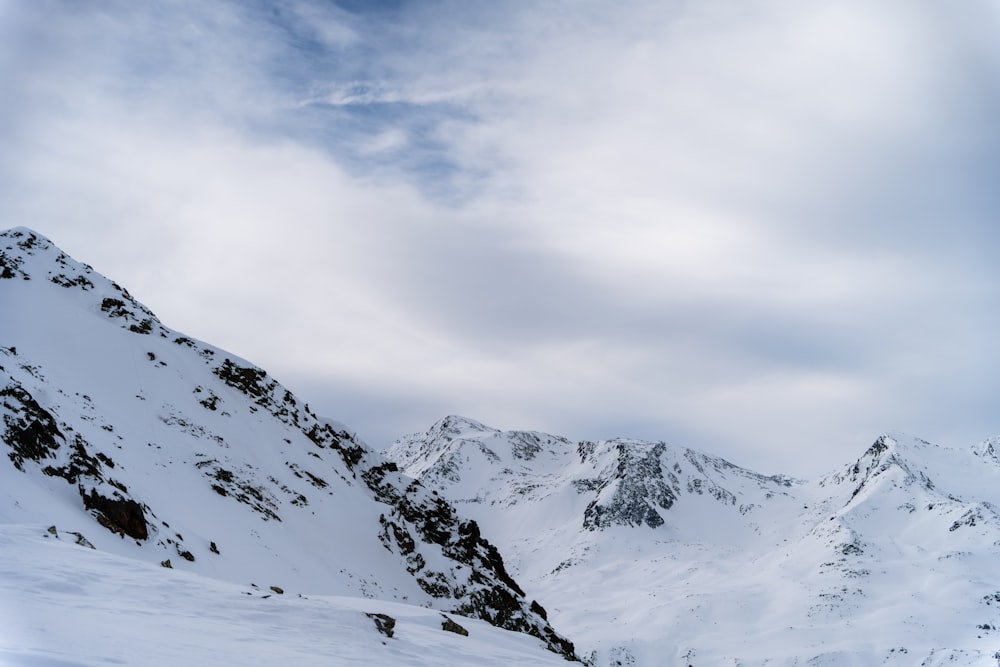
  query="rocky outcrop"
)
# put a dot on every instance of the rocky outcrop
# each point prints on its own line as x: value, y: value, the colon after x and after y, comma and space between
x: 422, y: 526
x: 623, y: 482
x: 29, y: 431
x: 34, y: 437
x: 631, y: 492
x: 120, y: 515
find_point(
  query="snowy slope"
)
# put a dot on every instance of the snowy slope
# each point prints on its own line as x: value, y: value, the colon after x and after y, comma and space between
x: 650, y: 554
x: 169, y: 451
x: 64, y: 604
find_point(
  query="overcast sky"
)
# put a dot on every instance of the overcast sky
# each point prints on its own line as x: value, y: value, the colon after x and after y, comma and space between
x: 767, y: 230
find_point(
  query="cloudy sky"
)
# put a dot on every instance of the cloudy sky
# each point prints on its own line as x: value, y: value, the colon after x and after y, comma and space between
x: 764, y: 229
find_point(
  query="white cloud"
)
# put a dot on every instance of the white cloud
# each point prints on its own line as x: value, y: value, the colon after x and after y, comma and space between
x: 718, y: 221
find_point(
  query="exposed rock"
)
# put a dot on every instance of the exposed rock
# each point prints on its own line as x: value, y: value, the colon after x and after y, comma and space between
x: 383, y: 623
x: 631, y: 495
x: 449, y: 625
x: 29, y: 430
x: 123, y: 516
x: 489, y: 593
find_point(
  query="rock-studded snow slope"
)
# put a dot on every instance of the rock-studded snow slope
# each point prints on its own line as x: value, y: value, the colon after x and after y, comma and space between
x: 63, y: 604
x: 650, y: 554
x: 170, y: 451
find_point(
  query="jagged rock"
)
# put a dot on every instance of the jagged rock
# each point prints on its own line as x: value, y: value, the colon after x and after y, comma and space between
x: 81, y: 540
x: 490, y: 593
x: 119, y: 515
x: 632, y: 493
x: 624, y: 482
x: 449, y: 625
x: 29, y: 430
x: 383, y: 623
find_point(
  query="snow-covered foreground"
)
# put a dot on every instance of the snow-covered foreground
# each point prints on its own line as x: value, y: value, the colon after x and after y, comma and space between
x: 65, y: 605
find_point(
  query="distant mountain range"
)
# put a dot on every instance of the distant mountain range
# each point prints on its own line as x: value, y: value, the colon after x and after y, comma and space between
x: 167, y: 454
x: 650, y: 554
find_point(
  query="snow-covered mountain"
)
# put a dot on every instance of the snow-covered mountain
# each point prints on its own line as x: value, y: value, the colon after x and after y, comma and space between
x: 162, y: 500
x: 650, y: 554
x: 154, y: 447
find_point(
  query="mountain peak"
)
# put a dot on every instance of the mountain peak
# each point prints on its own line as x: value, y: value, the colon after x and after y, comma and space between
x: 26, y: 233
x: 990, y: 450
x: 30, y: 256
x: 893, y: 455
x: 455, y: 425
x: 20, y: 244
x: 618, y: 482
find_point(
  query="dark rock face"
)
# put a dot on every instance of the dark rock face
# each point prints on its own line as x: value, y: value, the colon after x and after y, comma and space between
x: 10, y: 267
x: 418, y: 518
x: 119, y: 515
x: 10, y: 263
x: 449, y: 625
x: 639, y: 488
x: 251, y: 381
x: 81, y: 464
x: 135, y: 317
x: 539, y: 609
x: 29, y: 431
x: 384, y: 623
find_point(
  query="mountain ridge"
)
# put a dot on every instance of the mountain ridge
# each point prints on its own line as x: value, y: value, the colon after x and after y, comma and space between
x: 619, y: 526
x: 191, y: 457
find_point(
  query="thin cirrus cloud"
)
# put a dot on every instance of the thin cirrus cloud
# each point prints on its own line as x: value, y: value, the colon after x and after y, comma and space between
x: 757, y: 228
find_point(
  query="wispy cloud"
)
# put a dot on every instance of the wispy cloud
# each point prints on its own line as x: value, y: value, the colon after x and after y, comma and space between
x: 759, y: 228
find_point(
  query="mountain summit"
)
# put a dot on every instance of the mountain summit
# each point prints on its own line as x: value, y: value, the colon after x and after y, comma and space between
x: 151, y: 445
